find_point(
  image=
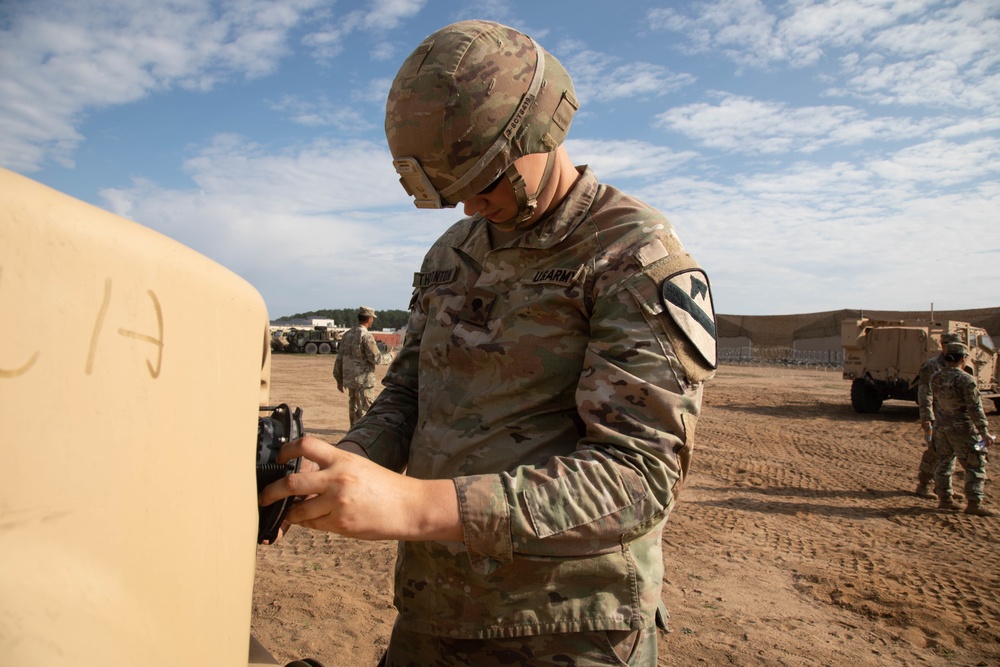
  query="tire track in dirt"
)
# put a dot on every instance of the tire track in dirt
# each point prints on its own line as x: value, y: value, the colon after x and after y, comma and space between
x: 827, y: 494
x: 796, y: 541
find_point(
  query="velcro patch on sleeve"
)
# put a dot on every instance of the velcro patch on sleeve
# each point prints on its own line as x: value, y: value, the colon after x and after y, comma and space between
x: 675, y: 290
x: 688, y: 299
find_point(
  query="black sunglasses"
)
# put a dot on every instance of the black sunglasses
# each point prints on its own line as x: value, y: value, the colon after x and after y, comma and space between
x: 492, y: 186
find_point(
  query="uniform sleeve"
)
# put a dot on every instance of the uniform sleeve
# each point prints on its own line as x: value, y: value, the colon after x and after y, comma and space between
x: 974, y: 402
x: 924, y: 396
x: 369, y: 347
x: 338, y: 369
x: 639, y: 407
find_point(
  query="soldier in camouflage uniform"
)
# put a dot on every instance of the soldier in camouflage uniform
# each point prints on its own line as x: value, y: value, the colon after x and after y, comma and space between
x: 545, y: 400
x: 960, y: 424
x: 928, y: 460
x: 357, y: 355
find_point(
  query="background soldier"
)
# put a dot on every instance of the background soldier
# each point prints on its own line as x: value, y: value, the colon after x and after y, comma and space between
x: 354, y: 368
x: 959, y: 425
x: 929, y: 459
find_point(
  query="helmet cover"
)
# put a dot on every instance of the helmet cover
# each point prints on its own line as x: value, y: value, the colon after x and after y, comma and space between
x: 470, y: 100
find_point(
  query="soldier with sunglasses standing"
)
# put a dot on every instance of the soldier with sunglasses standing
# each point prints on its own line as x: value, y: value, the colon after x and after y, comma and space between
x: 545, y: 400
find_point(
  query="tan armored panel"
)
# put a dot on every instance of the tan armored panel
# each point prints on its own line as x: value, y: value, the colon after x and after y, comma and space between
x: 131, y: 370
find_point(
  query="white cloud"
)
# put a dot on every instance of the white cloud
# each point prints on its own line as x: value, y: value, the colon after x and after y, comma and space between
x: 928, y: 81
x: 743, y: 30
x: 841, y: 23
x: 383, y: 51
x: 943, y: 163
x: 893, y: 51
x: 916, y: 53
x: 810, y: 237
x: 375, y: 92
x: 969, y: 127
x: 59, y: 60
x: 794, y: 202
x: 965, y: 33
x: 389, y: 14
x: 328, y: 41
x: 298, y: 225
x: 613, y: 160
x: 323, y: 113
x: 745, y: 125
x: 318, y: 177
x: 599, y: 76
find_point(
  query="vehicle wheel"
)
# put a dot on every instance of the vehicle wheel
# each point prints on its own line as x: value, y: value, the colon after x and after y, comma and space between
x: 864, y: 397
x: 311, y: 348
x: 324, y: 348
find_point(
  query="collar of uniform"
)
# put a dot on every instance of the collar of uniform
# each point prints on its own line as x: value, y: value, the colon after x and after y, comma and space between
x: 559, y: 224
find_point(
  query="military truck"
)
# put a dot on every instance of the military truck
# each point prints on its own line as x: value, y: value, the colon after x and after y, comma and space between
x: 279, y: 340
x: 882, y: 358
x: 318, y: 340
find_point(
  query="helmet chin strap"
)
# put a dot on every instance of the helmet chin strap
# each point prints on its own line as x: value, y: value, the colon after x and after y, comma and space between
x: 527, y: 204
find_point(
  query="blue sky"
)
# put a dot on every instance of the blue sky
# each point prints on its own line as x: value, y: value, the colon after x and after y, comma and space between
x: 812, y: 154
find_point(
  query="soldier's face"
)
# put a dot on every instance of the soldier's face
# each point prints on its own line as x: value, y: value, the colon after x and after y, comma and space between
x: 498, y: 203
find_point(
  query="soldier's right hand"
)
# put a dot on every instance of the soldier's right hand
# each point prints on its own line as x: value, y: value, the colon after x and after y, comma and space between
x: 355, y: 497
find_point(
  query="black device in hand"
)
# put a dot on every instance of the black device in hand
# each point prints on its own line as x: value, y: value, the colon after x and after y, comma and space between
x: 281, y: 426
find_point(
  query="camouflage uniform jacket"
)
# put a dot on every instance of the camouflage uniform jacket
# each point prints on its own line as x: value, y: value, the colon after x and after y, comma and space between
x: 924, y: 399
x: 957, y: 403
x: 547, y: 378
x: 356, y: 358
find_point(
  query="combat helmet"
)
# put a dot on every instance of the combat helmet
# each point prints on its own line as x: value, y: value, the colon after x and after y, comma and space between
x: 470, y: 100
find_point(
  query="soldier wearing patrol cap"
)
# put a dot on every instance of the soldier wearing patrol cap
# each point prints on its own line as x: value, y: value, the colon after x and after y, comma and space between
x: 545, y: 400
x: 928, y: 460
x: 959, y: 425
x: 357, y: 356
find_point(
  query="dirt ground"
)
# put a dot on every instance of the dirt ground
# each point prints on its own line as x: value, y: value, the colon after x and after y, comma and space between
x: 797, y: 541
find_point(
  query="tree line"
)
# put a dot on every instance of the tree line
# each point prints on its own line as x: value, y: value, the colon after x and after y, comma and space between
x: 348, y: 317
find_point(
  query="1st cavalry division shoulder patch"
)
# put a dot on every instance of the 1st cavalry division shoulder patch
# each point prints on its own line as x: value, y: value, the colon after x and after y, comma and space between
x: 688, y: 299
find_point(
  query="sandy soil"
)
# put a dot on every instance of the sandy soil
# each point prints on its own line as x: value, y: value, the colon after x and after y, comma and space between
x: 797, y: 541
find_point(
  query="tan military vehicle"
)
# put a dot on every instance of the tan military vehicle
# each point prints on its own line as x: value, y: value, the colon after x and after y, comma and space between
x: 279, y: 340
x: 882, y: 358
x: 128, y: 493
